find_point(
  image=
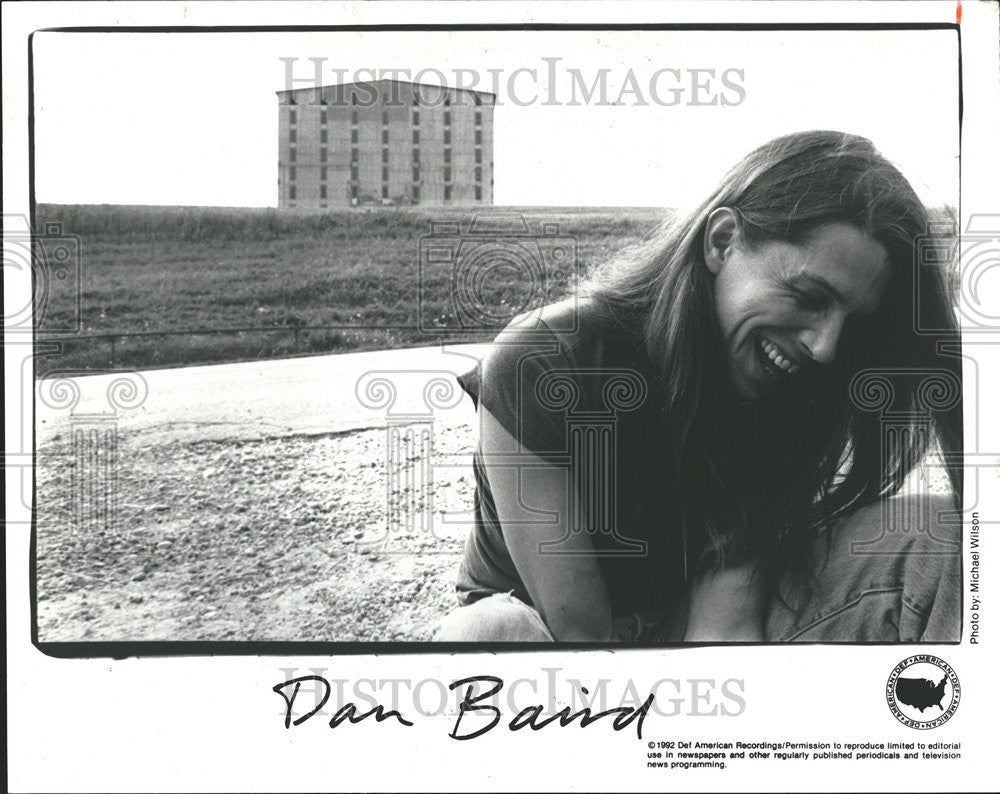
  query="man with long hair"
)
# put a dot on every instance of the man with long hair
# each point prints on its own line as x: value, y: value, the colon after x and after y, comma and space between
x: 748, y: 353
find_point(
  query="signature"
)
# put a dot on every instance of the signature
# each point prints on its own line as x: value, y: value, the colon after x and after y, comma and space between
x: 530, y: 717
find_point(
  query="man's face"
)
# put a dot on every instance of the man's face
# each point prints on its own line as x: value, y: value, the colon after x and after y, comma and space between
x: 782, y: 307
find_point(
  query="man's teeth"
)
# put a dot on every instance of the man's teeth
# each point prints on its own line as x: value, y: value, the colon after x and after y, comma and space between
x: 775, y: 356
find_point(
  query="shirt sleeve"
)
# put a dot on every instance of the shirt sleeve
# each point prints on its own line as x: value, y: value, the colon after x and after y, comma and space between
x: 526, y: 382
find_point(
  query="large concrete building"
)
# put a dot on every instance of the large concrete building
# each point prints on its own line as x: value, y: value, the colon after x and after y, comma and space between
x: 384, y: 142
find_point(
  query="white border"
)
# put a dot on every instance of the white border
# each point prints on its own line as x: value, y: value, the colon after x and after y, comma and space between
x: 213, y: 724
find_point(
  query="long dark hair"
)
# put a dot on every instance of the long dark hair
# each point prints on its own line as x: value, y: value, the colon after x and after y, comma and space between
x: 835, y: 455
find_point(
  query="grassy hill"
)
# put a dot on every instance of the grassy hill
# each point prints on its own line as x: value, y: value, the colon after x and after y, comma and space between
x: 170, y: 286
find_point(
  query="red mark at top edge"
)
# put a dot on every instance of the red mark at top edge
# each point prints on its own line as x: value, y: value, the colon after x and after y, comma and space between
x: 958, y: 13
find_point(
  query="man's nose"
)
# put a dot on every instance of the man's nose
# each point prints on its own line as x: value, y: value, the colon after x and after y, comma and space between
x: 821, y: 338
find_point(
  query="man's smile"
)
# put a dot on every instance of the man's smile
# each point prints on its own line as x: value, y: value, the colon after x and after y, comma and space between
x: 776, y: 359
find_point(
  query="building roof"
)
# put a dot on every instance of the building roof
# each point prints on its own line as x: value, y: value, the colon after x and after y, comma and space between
x: 387, y: 82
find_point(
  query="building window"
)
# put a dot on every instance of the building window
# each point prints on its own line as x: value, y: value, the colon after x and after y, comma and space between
x: 479, y: 137
x: 322, y: 135
x: 291, y: 192
x: 447, y: 100
x: 416, y: 155
x: 447, y: 118
x: 478, y: 174
x: 354, y: 117
x: 322, y: 155
x: 447, y: 136
x: 479, y: 155
x: 479, y: 119
x: 354, y: 191
x: 477, y: 100
x: 322, y: 174
x: 385, y: 174
x: 291, y: 155
x: 416, y: 173
x: 292, y: 116
x: 416, y: 194
x: 416, y: 117
x: 322, y: 191
x: 385, y: 118
x: 447, y: 155
x: 322, y: 116
x: 447, y: 192
x: 385, y: 191
x: 292, y: 135
x: 416, y: 136
x: 385, y: 155
x: 479, y: 193
x: 385, y: 136
x: 447, y: 174
x: 354, y: 135
x: 354, y: 173
x: 291, y: 173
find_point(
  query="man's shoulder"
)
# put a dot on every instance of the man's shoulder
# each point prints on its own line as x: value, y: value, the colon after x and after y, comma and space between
x: 573, y: 325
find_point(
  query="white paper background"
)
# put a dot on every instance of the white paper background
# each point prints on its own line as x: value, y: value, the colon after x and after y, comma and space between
x: 214, y: 723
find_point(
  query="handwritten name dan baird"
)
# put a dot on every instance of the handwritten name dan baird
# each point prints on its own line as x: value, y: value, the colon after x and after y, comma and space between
x: 478, y: 690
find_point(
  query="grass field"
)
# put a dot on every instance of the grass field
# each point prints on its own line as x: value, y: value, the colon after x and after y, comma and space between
x: 206, y: 284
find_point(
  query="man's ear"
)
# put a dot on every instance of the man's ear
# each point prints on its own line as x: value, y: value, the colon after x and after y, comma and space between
x: 721, y: 233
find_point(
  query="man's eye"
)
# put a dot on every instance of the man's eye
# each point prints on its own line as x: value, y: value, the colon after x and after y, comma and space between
x: 807, y: 300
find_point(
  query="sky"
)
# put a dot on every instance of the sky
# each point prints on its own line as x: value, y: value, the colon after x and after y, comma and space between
x: 191, y: 119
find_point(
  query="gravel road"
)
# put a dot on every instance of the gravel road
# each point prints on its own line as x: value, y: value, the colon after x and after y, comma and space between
x: 226, y: 533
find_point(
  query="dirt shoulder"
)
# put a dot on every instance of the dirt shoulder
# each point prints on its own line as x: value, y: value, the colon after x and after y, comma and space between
x: 271, y: 539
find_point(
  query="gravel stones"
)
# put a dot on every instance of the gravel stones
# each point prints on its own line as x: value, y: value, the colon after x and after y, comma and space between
x: 279, y: 539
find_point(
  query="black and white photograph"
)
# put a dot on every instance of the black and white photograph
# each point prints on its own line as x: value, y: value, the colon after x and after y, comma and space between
x: 654, y: 443
x: 370, y: 365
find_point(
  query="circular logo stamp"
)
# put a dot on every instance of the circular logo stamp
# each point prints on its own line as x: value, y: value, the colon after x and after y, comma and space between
x: 923, y: 691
